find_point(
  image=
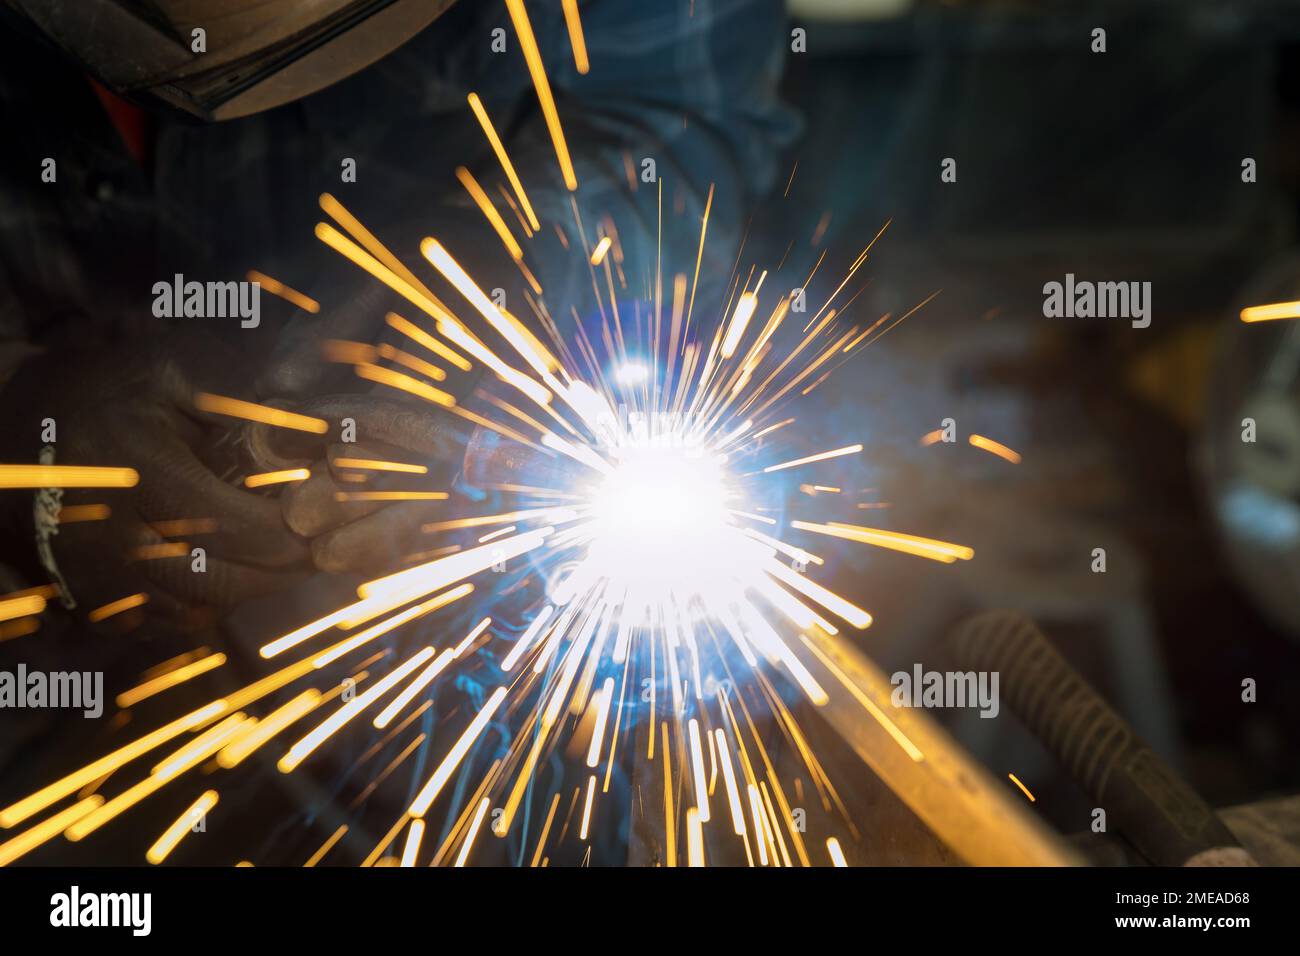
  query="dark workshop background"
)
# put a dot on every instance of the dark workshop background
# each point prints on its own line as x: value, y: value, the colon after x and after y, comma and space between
x: 1122, y: 166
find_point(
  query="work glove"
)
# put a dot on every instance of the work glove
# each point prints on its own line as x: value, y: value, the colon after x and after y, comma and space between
x: 348, y: 511
x: 347, y: 533
x: 369, y: 537
x: 133, y: 406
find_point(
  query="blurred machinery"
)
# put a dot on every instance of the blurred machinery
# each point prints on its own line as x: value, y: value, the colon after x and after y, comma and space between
x: 1250, y: 450
x: 1126, y: 165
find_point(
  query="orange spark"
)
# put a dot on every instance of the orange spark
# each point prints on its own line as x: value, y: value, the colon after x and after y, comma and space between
x: 66, y: 476
x: 499, y: 148
x: 73, y: 513
x: 821, y: 456
x: 369, y: 464
x: 117, y: 607
x: 602, y: 247
x: 489, y: 211
x: 996, y: 448
x: 277, y: 477
x: 576, y: 39
x: 237, y: 408
x: 1023, y: 788
x: 894, y: 540
x: 1271, y: 312
x: 519, y: 16
x: 276, y: 287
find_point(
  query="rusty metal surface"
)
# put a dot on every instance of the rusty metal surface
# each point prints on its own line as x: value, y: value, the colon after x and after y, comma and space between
x: 955, y: 797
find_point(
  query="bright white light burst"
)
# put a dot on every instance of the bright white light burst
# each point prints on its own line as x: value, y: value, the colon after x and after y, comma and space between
x: 661, y: 521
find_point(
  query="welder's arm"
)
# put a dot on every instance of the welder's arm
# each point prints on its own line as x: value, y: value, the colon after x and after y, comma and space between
x: 683, y: 95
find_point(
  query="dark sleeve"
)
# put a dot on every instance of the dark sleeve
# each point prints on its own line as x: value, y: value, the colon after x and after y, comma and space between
x: 691, y: 84
x: 688, y: 84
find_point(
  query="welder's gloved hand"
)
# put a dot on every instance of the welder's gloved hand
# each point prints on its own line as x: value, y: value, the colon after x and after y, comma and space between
x: 372, y: 536
x: 467, y: 461
x: 355, y: 509
x: 133, y: 406
x: 354, y: 304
